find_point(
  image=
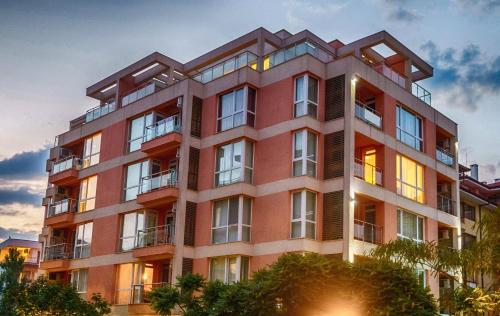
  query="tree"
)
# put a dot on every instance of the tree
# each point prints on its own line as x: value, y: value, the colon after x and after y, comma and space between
x: 306, y: 284
x: 11, y: 286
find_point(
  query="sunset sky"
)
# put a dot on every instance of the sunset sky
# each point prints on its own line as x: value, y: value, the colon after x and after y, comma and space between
x: 51, y: 51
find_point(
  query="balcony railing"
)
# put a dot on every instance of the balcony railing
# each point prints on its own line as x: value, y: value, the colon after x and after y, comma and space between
x: 61, y: 207
x: 164, y: 179
x: 283, y: 55
x: 391, y: 74
x: 163, y: 127
x: 445, y: 156
x: 445, y: 204
x: 367, y: 172
x: 58, y: 252
x: 142, y: 92
x: 368, y: 115
x: 421, y: 93
x: 367, y: 232
x: 155, y: 236
x: 66, y: 164
x: 99, y: 111
x: 140, y: 292
x: 227, y: 66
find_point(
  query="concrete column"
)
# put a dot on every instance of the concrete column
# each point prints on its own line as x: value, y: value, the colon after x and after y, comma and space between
x: 408, y: 74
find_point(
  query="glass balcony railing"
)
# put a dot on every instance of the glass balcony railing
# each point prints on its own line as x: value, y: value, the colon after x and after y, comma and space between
x: 228, y: 66
x: 367, y: 232
x: 155, y: 236
x: 421, y: 93
x: 58, y: 252
x: 61, y: 207
x: 445, y: 156
x: 143, y: 92
x: 278, y: 57
x: 368, y: 115
x: 159, y: 180
x: 367, y: 172
x: 391, y: 74
x: 66, y: 164
x: 445, y: 204
x: 99, y: 111
x: 163, y: 127
x: 140, y: 292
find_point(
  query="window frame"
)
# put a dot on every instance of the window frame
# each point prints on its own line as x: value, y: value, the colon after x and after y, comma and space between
x: 400, y: 183
x: 419, y: 220
x: 303, y: 214
x: 304, y: 158
x: 239, y: 271
x: 400, y: 131
x: 76, y: 279
x: 83, y: 201
x: 305, y: 93
x: 145, y: 117
x: 239, y: 224
x: 87, y: 159
x: 150, y: 165
x: 244, y: 110
x: 244, y: 166
x: 83, y: 245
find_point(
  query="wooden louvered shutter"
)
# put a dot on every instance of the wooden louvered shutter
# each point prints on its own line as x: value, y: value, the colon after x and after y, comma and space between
x: 190, y: 223
x: 187, y: 265
x: 334, y: 155
x: 196, y: 117
x: 335, y: 98
x: 333, y: 215
x: 194, y: 163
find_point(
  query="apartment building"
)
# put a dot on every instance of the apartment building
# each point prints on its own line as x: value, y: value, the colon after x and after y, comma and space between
x: 30, y: 250
x: 271, y: 143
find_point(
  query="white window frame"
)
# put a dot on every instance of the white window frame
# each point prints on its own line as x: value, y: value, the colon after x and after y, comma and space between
x: 306, y: 100
x: 399, y: 178
x: 226, y: 268
x: 76, y: 279
x: 239, y: 225
x: 145, y: 118
x: 400, y: 131
x: 400, y: 232
x: 245, y: 110
x: 244, y: 166
x: 419, y: 271
x: 92, y: 158
x: 141, y: 176
x: 303, y: 218
x: 305, y: 158
x: 86, y: 227
x: 83, y: 200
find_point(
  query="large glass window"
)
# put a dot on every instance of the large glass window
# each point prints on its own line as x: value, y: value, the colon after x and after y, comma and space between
x: 229, y: 269
x: 79, y: 280
x: 132, y: 223
x: 409, y: 128
x: 83, y: 240
x: 137, y: 130
x: 234, y: 163
x: 91, y: 151
x: 306, y: 96
x: 135, y: 173
x: 410, y: 226
x: 410, y: 179
x: 236, y: 108
x: 88, y: 188
x: 303, y: 214
x: 304, y: 153
x: 231, y: 220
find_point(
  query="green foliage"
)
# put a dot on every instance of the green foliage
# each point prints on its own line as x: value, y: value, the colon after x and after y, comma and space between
x: 10, y: 285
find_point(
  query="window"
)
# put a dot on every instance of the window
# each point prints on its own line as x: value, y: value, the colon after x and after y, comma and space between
x: 135, y: 174
x: 410, y: 179
x: 420, y: 273
x: 137, y: 130
x: 409, y: 128
x: 83, y: 240
x: 231, y: 220
x: 304, y: 153
x: 91, y: 150
x: 88, y: 189
x: 79, y: 280
x: 236, y: 108
x: 132, y: 224
x: 234, y: 163
x: 133, y: 280
x: 229, y: 269
x: 468, y: 211
x: 410, y: 226
x: 306, y: 96
x: 304, y: 214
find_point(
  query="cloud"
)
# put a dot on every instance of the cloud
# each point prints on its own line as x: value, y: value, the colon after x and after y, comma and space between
x: 24, y: 165
x: 486, y: 6
x: 403, y: 15
x: 463, y: 77
x: 21, y: 195
x: 300, y: 12
x: 17, y: 233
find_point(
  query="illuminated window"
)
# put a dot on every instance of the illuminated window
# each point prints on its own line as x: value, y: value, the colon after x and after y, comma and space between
x: 303, y: 215
x: 409, y: 128
x: 88, y: 188
x: 410, y: 226
x: 234, y: 163
x: 410, y: 179
x: 79, y: 280
x: 231, y: 220
x: 236, y: 108
x: 229, y: 269
x: 91, y: 151
x: 306, y: 96
x: 83, y: 240
x: 304, y: 153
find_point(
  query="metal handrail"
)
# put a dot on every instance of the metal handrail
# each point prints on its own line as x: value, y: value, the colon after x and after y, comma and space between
x: 359, y: 111
x: 360, y: 171
x: 445, y: 156
x: 163, y: 127
x: 99, y: 111
x: 58, y: 252
x: 421, y: 93
x: 154, y: 236
x: 66, y: 163
x: 163, y: 179
x: 445, y: 204
x: 367, y: 232
x: 61, y: 207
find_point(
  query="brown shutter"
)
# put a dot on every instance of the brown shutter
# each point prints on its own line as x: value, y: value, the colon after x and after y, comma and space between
x: 333, y: 215
x: 196, y: 117
x: 334, y: 155
x: 335, y: 98
x: 194, y: 163
x: 187, y: 265
x: 190, y: 223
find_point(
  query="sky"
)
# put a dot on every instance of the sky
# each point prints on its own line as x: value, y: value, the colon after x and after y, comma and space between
x: 51, y: 51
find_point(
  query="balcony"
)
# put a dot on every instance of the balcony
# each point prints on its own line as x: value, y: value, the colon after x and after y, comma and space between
x: 368, y: 115
x: 445, y: 204
x: 421, y: 93
x: 99, y: 111
x: 65, y: 171
x: 283, y: 55
x: 140, y: 292
x: 158, y: 189
x: 61, y: 212
x: 367, y: 172
x: 391, y: 74
x: 57, y: 256
x: 445, y: 156
x: 367, y: 232
x: 228, y: 66
x: 155, y: 242
x: 143, y: 91
x: 162, y: 136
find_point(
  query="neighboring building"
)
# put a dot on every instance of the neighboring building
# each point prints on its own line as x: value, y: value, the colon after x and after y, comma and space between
x: 30, y: 250
x: 271, y: 143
